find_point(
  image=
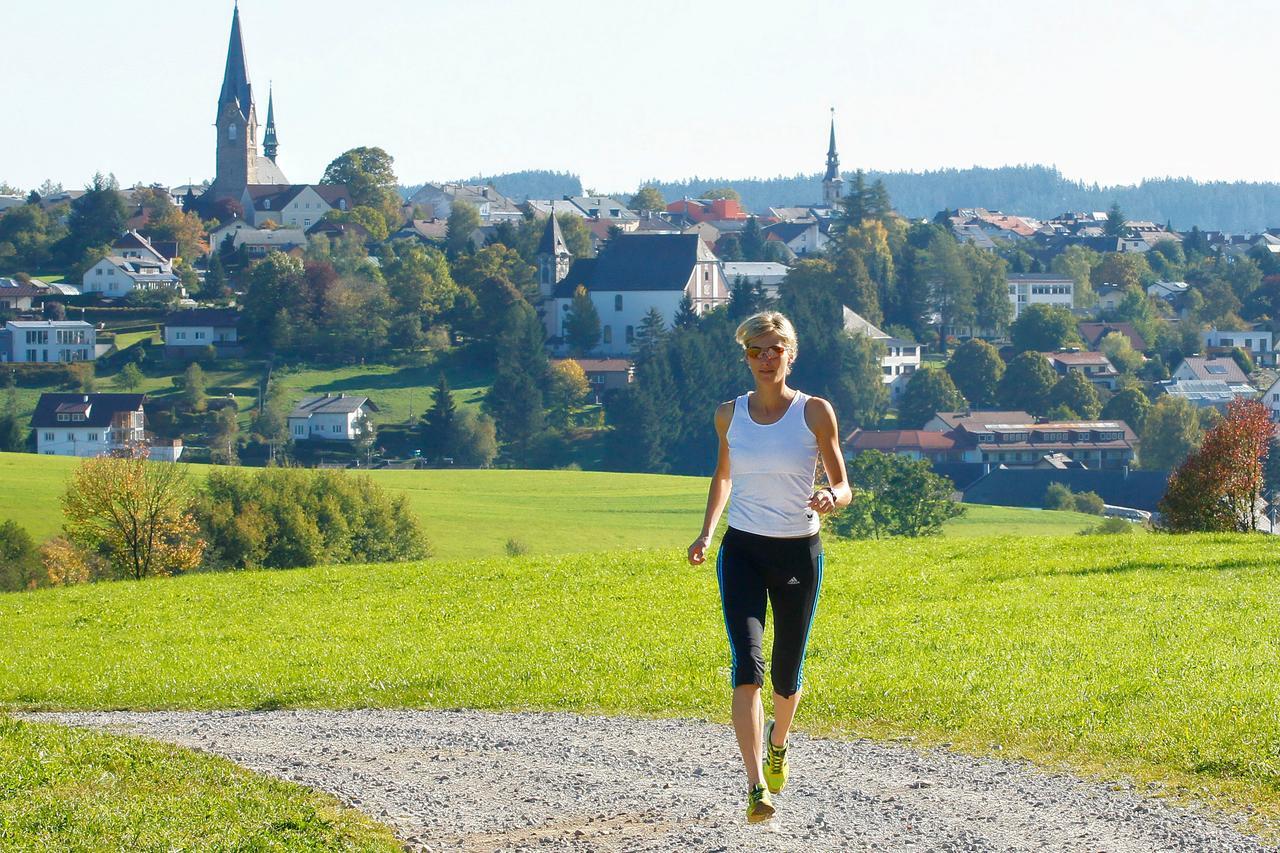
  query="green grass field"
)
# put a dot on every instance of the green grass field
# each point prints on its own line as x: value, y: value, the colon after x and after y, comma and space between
x: 470, y: 513
x: 69, y: 789
x: 1155, y: 661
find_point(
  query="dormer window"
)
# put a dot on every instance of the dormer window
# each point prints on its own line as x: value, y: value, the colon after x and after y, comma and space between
x: 342, y: 204
x: 231, y: 132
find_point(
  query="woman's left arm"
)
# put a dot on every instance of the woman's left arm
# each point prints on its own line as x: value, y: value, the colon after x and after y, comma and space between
x: 821, y: 419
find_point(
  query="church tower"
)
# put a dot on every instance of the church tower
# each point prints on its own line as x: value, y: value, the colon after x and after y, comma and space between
x: 553, y: 258
x: 270, y: 144
x: 832, y: 183
x: 237, y: 123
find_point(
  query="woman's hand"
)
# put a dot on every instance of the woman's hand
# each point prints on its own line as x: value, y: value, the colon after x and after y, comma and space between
x: 698, y: 550
x: 823, y: 500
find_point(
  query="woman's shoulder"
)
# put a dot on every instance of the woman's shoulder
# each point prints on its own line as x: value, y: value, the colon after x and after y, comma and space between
x: 817, y: 410
x: 724, y: 411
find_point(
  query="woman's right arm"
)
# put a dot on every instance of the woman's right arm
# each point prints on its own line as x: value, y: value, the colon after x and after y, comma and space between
x: 718, y: 493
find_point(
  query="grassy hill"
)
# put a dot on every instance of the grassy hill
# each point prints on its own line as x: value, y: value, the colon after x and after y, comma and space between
x: 469, y: 513
x: 1154, y: 661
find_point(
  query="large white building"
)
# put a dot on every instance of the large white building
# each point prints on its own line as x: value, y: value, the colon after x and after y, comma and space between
x: 1027, y: 289
x: 47, y: 341
x: 634, y: 273
x: 87, y: 424
x: 901, y: 358
x: 1259, y: 343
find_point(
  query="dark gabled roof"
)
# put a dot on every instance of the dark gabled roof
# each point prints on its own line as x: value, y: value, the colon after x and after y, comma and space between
x: 1026, y: 487
x: 787, y: 231
x: 223, y: 317
x: 102, y: 408
x: 636, y: 262
x: 333, y: 193
x: 330, y: 404
x: 580, y: 273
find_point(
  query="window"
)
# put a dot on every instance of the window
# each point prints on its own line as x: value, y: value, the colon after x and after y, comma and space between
x: 181, y: 336
x: 231, y: 132
x: 617, y: 302
x: 342, y: 204
x: 199, y: 336
x: 93, y: 436
x: 299, y: 429
x: 337, y: 427
x: 266, y: 204
x: 607, y: 335
x: 99, y: 272
x: 631, y: 333
x: 888, y: 371
x: 48, y: 436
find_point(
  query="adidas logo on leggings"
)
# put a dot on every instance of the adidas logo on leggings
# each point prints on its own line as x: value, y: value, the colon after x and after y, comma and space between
x: 793, y: 582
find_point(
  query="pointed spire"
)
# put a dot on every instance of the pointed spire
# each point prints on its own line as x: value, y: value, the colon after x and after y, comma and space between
x: 833, y: 159
x: 270, y: 144
x: 553, y: 243
x: 235, y: 79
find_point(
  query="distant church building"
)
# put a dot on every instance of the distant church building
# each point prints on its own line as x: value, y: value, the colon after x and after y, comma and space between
x: 832, y: 183
x: 239, y: 164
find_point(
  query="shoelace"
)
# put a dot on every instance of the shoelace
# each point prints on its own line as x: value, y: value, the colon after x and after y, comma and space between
x: 777, y: 754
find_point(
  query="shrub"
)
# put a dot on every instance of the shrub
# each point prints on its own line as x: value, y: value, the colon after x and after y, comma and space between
x: 1090, y: 503
x: 291, y: 517
x: 516, y: 547
x: 1109, y: 526
x: 19, y: 558
x: 1059, y: 497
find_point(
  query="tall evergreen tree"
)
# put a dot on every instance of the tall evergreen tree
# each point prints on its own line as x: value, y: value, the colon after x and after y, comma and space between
x: 652, y: 331
x: 582, y: 323
x: 686, y: 317
x: 516, y: 399
x: 752, y: 241
x: 438, y: 424
x: 97, y: 218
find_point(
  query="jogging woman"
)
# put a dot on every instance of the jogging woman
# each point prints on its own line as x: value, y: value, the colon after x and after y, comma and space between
x: 770, y: 442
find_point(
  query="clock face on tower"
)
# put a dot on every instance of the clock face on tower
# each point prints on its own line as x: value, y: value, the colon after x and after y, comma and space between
x: 706, y: 288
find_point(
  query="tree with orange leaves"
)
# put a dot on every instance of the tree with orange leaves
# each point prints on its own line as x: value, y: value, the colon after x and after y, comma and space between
x: 1219, y: 487
x: 133, y: 513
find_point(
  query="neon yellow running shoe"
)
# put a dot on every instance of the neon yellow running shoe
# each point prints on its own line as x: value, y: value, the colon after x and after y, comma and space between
x: 776, y: 767
x: 759, y: 805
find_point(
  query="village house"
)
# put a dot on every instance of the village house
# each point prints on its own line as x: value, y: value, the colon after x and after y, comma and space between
x: 258, y: 243
x: 295, y: 206
x: 633, y: 273
x: 435, y: 201
x: 1095, y: 366
x: 1271, y: 399
x: 1016, y: 442
x: 1093, y: 333
x: 331, y: 417
x: 135, y: 263
x: 189, y: 334
x: 1259, y: 343
x: 20, y: 295
x: 702, y: 209
x: 604, y: 374
x: 88, y: 424
x: 768, y: 274
x: 1215, y: 368
x: 901, y: 359
x: 1201, y: 393
x: 48, y: 341
x: 800, y: 238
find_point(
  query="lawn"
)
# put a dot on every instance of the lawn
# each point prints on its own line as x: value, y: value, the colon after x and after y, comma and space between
x: 69, y: 789
x: 1148, y: 657
x: 470, y: 513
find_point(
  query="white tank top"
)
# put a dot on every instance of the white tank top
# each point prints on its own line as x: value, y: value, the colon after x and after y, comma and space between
x: 772, y: 468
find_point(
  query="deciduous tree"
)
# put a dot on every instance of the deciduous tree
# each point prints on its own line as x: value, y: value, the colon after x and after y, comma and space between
x: 928, y: 392
x: 1026, y: 384
x: 1130, y: 406
x: 1171, y: 431
x: 894, y: 496
x: 1219, y: 486
x: 976, y: 369
x: 134, y: 513
x: 1043, y: 328
x: 1076, y: 393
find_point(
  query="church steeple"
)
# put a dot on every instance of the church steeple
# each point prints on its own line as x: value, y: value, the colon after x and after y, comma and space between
x: 270, y: 144
x: 235, y: 78
x: 832, y: 183
x: 553, y: 257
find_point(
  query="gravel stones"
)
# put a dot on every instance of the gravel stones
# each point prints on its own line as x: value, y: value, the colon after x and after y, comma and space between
x: 478, y: 781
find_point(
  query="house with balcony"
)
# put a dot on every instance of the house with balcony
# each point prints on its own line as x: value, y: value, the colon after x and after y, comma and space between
x: 1020, y: 442
x: 331, y: 417
x: 1215, y: 369
x: 48, y: 341
x: 88, y: 424
x: 1095, y: 366
x: 1259, y: 343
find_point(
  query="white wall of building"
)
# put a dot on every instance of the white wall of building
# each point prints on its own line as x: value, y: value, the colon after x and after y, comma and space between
x: 333, y: 426
x: 49, y: 341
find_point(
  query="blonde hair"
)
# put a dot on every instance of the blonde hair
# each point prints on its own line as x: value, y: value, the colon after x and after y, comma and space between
x: 764, y: 323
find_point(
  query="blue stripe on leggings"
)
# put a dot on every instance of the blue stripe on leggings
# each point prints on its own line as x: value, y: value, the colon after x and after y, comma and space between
x: 733, y: 653
x: 804, y: 647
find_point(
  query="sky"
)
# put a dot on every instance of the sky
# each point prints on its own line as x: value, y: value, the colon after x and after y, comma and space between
x: 621, y: 92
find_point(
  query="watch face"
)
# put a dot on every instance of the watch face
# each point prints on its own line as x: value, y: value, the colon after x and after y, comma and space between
x: 706, y: 289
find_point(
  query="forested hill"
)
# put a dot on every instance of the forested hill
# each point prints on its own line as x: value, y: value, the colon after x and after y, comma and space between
x: 1037, y: 191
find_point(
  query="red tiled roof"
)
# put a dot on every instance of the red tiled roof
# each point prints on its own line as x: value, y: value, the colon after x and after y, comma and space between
x: 901, y: 439
x: 1091, y: 358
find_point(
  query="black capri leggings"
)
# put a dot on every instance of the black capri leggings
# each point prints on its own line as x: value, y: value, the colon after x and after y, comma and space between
x: 753, y: 569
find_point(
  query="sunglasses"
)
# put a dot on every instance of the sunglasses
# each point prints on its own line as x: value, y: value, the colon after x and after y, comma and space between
x: 774, y: 351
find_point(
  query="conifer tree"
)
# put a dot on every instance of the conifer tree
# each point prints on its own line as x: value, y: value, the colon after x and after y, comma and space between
x: 438, y: 424
x: 516, y: 400
x: 582, y: 323
x: 652, y: 331
x: 686, y: 317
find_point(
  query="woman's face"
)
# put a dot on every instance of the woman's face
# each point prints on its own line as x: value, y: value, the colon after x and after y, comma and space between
x: 768, y: 357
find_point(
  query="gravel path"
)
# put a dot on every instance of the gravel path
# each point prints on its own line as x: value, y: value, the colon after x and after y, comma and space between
x: 467, y: 780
